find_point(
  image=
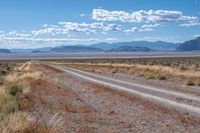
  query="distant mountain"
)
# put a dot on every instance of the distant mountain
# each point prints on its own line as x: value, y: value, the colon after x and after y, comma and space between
x: 5, y: 51
x: 131, y: 49
x: 45, y: 49
x: 36, y: 51
x: 158, y: 45
x: 192, y: 45
x: 75, y: 49
x: 104, y: 46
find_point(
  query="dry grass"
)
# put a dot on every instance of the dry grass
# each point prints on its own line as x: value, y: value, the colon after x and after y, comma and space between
x: 147, y: 71
x: 8, y: 104
x: 22, y: 122
x: 15, y: 99
x: 16, y: 122
x: 78, y: 108
x: 17, y: 77
x: 170, y: 68
x: 148, y: 68
x: 198, y: 82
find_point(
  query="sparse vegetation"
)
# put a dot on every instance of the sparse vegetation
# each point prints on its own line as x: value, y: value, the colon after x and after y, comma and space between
x: 17, y: 84
x: 178, y: 69
x: 14, y: 98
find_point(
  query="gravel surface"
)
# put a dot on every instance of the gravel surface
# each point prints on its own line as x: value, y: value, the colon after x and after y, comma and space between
x: 70, y: 104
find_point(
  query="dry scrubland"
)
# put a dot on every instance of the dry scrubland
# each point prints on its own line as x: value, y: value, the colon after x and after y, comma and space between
x: 15, y: 100
x: 183, y: 70
x: 37, y: 98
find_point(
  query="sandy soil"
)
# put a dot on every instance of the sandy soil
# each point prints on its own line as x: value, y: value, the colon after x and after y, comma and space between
x: 69, y: 104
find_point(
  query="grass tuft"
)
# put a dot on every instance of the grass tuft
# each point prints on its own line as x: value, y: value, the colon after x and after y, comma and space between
x: 8, y: 104
x: 14, y: 90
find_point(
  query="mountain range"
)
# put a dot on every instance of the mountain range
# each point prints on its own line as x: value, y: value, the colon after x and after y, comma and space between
x: 141, y: 46
x: 134, y: 46
x: 7, y: 51
x: 131, y: 49
x: 192, y: 45
x: 76, y: 49
x: 158, y: 45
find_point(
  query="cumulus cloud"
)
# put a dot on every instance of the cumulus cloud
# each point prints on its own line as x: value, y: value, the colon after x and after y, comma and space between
x: 73, y: 27
x: 90, y: 26
x: 142, y: 16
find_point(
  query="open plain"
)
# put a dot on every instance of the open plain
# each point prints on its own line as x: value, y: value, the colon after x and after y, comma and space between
x: 102, y: 95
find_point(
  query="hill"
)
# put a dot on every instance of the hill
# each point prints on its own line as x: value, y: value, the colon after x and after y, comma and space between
x: 131, y: 49
x: 75, y: 49
x: 5, y: 51
x: 192, y: 45
x: 158, y: 45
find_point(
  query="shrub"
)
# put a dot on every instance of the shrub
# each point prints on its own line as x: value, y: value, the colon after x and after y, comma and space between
x: 1, y: 80
x: 14, y: 90
x: 190, y: 83
x: 198, y: 82
x: 4, y: 71
x: 155, y: 76
x: 114, y: 71
x: 149, y: 76
x: 182, y: 67
x: 8, y: 104
x: 162, y: 77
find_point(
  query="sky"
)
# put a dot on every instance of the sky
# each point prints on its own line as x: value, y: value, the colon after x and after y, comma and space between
x: 49, y: 23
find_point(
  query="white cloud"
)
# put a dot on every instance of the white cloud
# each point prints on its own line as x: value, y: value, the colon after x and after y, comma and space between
x: 151, y: 39
x: 142, y: 16
x: 1, y: 33
x: 73, y: 27
x: 62, y: 33
x: 143, y: 28
x: 150, y: 25
x: 133, y: 29
x: 32, y: 40
x: 195, y: 36
x: 16, y: 34
x: 94, y: 26
x: 189, y: 24
x: 111, y: 39
x: 83, y: 15
x: 47, y: 30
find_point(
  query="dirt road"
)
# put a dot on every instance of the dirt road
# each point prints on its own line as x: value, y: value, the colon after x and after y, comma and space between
x: 164, y: 97
x: 77, y: 101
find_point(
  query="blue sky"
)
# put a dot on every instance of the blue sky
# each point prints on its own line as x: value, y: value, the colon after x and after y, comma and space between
x: 48, y: 23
